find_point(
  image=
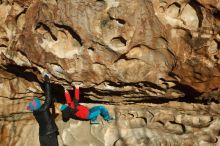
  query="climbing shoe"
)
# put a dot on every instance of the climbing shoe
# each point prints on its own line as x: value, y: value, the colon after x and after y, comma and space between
x: 110, y: 119
x: 94, y: 122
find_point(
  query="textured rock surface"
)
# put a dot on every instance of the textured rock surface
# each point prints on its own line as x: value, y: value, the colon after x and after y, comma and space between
x: 123, y: 52
x: 108, y: 45
x: 173, y: 123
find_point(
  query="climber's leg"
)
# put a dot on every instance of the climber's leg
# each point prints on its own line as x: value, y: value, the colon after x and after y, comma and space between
x: 94, y: 112
x: 105, y: 113
x: 49, y: 140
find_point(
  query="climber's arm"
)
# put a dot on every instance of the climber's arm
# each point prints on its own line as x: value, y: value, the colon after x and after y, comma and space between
x: 77, y: 92
x: 48, y: 99
x: 68, y: 99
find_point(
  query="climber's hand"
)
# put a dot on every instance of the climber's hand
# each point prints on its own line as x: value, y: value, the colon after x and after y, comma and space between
x: 77, y: 84
x: 67, y: 87
x: 46, y: 78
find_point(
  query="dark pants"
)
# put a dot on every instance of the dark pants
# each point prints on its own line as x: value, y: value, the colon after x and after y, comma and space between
x: 49, y: 140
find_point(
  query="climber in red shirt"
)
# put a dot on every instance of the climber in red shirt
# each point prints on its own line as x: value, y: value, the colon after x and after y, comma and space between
x: 76, y: 111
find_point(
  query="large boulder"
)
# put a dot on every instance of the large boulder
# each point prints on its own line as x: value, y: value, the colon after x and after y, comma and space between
x: 121, y: 52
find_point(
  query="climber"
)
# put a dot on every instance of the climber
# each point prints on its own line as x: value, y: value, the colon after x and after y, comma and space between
x: 77, y: 111
x: 48, y: 130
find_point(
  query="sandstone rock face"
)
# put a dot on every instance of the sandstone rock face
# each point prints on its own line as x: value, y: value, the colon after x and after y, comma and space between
x: 108, y: 45
x: 142, y: 125
x: 122, y: 52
